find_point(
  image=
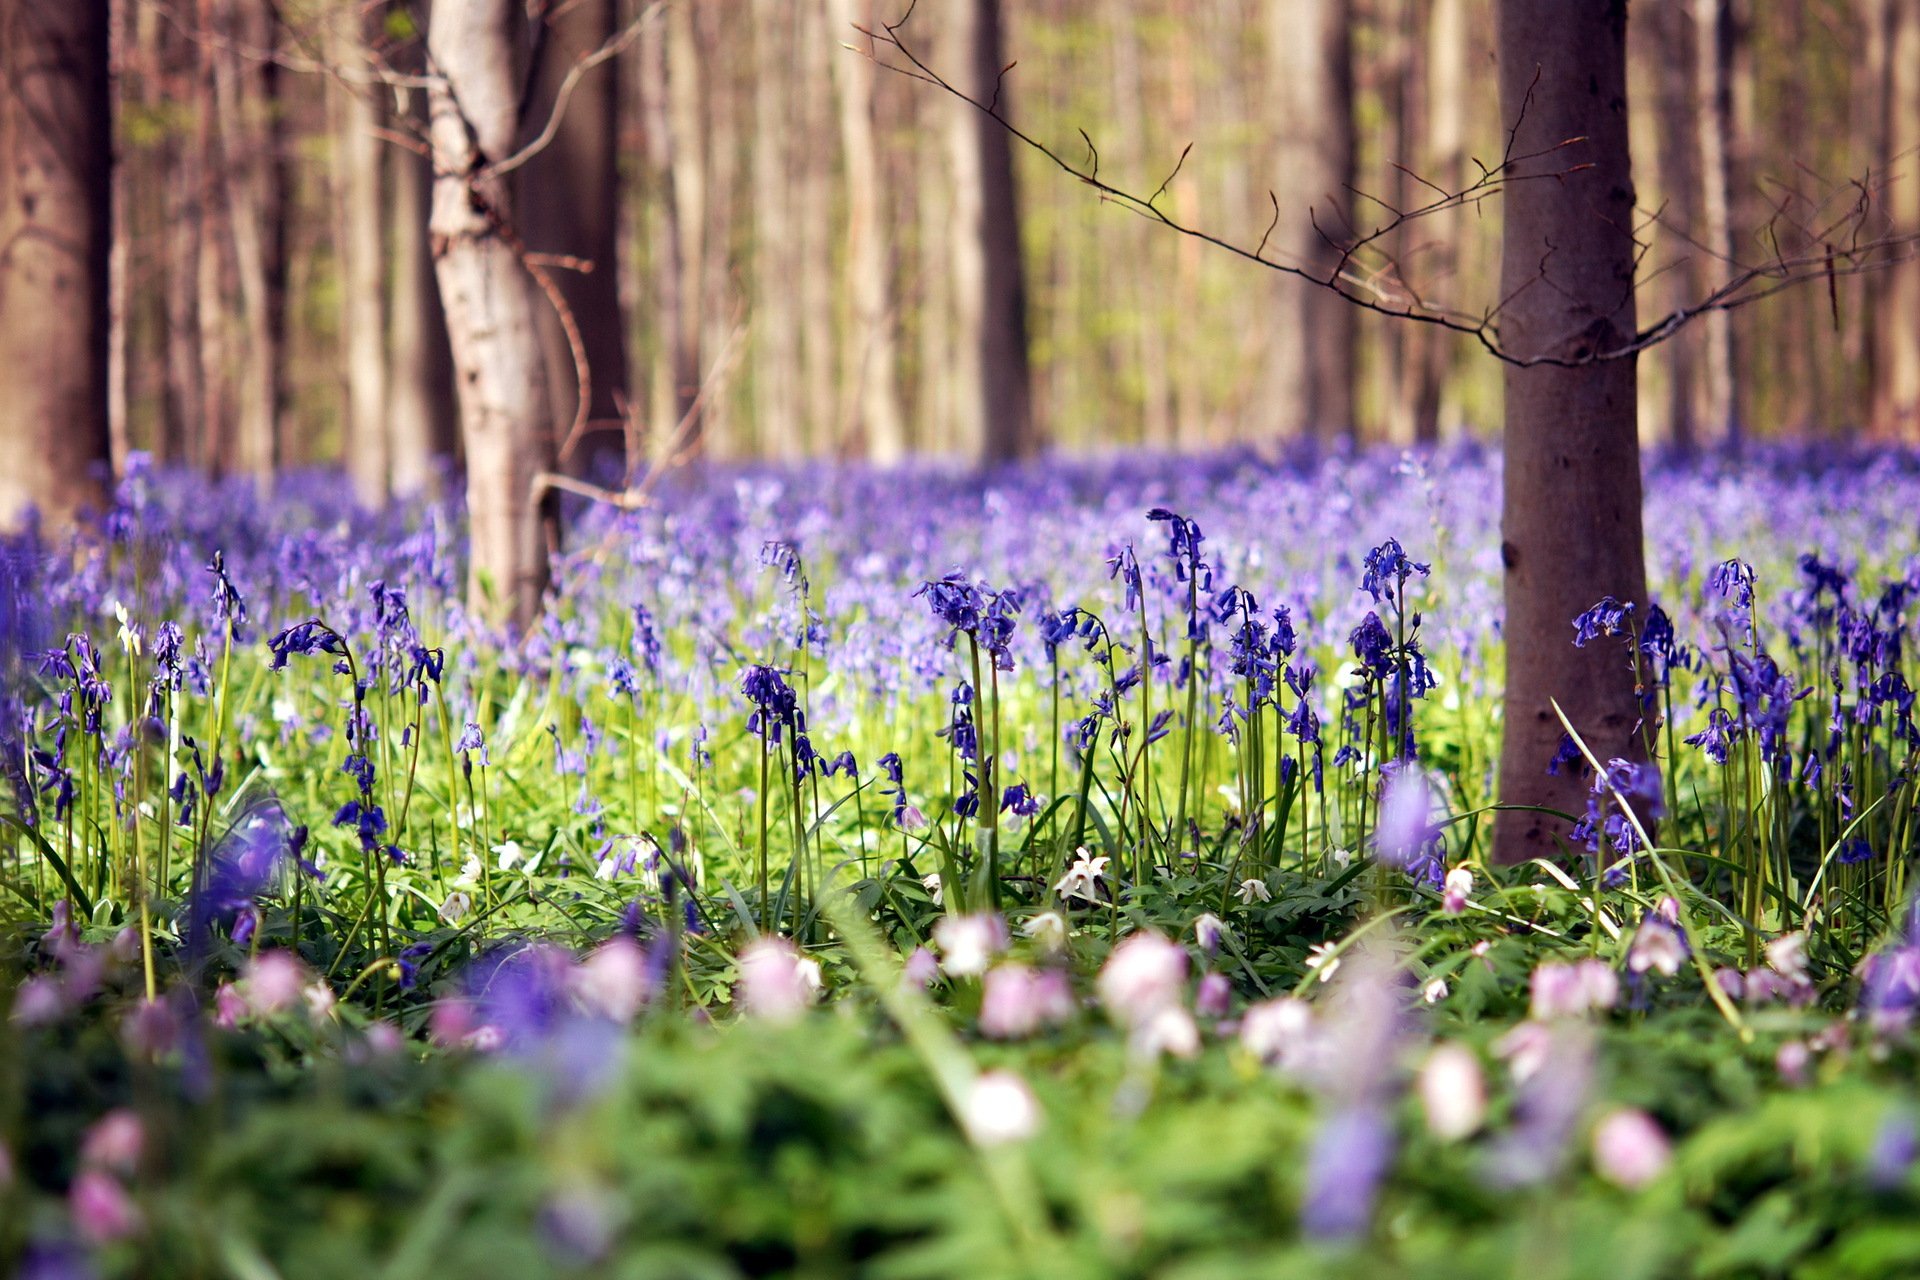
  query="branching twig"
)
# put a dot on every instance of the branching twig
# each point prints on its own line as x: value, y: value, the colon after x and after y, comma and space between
x: 1835, y: 249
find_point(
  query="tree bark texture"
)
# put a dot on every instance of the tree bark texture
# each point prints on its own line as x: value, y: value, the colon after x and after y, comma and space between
x: 993, y: 386
x: 570, y: 204
x: 55, y: 228
x: 359, y: 159
x: 500, y: 372
x: 1310, y: 346
x: 1571, y: 524
x: 871, y: 368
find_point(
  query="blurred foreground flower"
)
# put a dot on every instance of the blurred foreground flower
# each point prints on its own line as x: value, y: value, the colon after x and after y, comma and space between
x: 1000, y: 1108
x: 777, y: 983
x: 1453, y: 1094
x: 1629, y: 1150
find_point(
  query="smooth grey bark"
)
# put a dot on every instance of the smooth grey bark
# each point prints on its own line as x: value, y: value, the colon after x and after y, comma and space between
x: 1310, y: 345
x: 55, y: 227
x: 570, y: 204
x: 1571, y: 523
x: 993, y: 381
x: 500, y: 372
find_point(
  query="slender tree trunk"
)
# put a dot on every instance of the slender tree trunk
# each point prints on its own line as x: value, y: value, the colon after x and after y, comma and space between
x: 871, y: 358
x: 1448, y: 96
x: 183, y: 164
x: 420, y: 409
x: 246, y: 95
x: 936, y: 365
x: 1896, y: 323
x: 570, y: 204
x: 1714, y: 37
x: 359, y: 159
x: 776, y: 266
x: 491, y: 321
x: 992, y: 378
x: 55, y: 226
x: 816, y: 240
x: 676, y: 354
x: 1668, y: 46
x: 1571, y: 522
x: 1310, y: 369
x: 721, y: 307
x: 119, y: 252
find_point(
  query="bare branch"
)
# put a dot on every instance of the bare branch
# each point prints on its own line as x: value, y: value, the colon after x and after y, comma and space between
x: 611, y: 49
x: 1369, y: 277
x: 1177, y: 166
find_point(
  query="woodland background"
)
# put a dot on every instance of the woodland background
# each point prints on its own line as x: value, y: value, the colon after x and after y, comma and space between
x: 771, y: 220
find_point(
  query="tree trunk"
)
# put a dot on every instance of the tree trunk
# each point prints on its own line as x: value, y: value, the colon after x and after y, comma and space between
x: 1714, y: 37
x: 720, y: 306
x: 993, y: 386
x: 183, y: 166
x: 1310, y: 349
x: 420, y: 410
x: 813, y: 205
x: 1571, y: 524
x: 492, y: 327
x: 1448, y: 99
x: 246, y: 94
x: 359, y: 157
x: 776, y: 331
x: 570, y: 204
x: 55, y: 227
x: 1668, y: 45
x: 1896, y: 326
x: 871, y: 357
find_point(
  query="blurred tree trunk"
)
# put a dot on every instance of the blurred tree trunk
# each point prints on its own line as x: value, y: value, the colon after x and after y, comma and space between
x: 934, y: 412
x: 492, y: 327
x: 1310, y: 367
x: 421, y: 427
x: 1669, y: 49
x: 420, y: 410
x: 56, y: 152
x: 214, y: 283
x: 359, y: 161
x: 668, y: 84
x: 721, y: 307
x: 120, y: 61
x: 1189, y: 419
x: 182, y: 164
x: 247, y: 96
x: 1571, y: 529
x: 816, y: 242
x: 1715, y: 36
x: 871, y: 359
x: 1449, y: 94
x: 993, y: 385
x: 570, y: 204
x: 1896, y: 320
x: 776, y: 268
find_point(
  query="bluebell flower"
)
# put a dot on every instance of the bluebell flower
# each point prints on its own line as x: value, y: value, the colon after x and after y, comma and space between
x: 1372, y: 645
x: 1609, y: 617
x: 1351, y: 1155
x: 1387, y: 568
x: 1854, y: 852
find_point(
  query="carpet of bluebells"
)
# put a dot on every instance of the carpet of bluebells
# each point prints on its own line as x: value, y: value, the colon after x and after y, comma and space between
x: 1076, y: 871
